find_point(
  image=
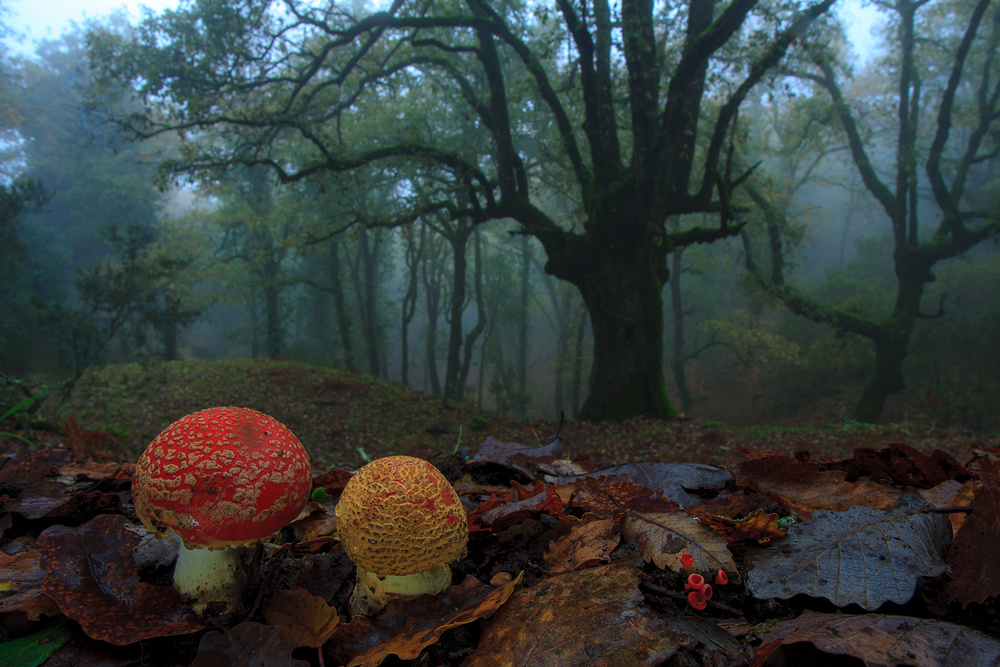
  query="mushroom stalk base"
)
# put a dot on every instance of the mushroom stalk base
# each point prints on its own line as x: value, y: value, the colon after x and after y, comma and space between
x: 207, y: 575
x: 372, y: 592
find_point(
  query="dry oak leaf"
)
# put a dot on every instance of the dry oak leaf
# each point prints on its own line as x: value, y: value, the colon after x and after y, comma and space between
x: 664, y: 537
x: 247, y: 645
x: 589, y: 543
x: 863, y: 556
x: 304, y: 619
x: 90, y: 574
x: 593, y: 616
x: 757, y: 527
x: 951, y: 493
x: 21, y: 586
x: 521, y: 503
x: 405, y: 628
x: 878, y: 640
x: 804, y: 488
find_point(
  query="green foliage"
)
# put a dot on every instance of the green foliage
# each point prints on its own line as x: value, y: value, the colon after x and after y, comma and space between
x: 754, y: 340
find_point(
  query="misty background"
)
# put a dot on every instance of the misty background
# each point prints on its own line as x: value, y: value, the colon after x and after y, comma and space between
x: 108, y: 256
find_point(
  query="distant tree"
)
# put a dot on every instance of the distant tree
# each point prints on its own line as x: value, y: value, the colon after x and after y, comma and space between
x: 944, y: 63
x: 622, y: 115
x: 130, y: 294
x: 258, y: 225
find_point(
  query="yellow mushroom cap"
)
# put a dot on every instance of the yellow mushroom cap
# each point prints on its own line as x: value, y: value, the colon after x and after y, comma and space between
x: 398, y: 515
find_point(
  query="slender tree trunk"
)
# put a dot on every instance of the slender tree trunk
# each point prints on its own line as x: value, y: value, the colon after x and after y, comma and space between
x: 364, y: 276
x: 169, y: 336
x: 413, y: 253
x: 339, y: 305
x: 523, y: 325
x: 432, y: 299
x: 577, y: 389
x: 458, y: 239
x: 272, y: 319
x: 480, y: 326
x: 677, y: 307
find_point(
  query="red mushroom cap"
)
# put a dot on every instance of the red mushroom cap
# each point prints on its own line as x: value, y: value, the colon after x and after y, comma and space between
x: 222, y: 477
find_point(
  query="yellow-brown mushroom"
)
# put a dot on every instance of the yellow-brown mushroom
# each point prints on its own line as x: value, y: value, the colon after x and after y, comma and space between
x: 402, y: 524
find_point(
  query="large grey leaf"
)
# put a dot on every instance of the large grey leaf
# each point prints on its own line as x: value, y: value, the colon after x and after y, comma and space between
x: 863, y: 556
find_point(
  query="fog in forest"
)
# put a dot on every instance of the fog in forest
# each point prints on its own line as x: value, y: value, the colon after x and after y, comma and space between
x: 419, y: 200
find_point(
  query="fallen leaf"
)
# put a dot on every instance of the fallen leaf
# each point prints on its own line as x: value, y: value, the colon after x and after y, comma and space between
x: 594, y: 616
x: 303, y: 619
x: 803, y: 487
x: 21, y: 586
x: 90, y: 574
x: 670, y: 480
x: 758, y: 527
x: 951, y: 493
x: 589, y: 543
x: 863, y: 556
x: 496, y: 512
x: 515, y: 456
x: 247, y: 645
x: 664, y: 537
x: 31, y: 483
x: 612, y: 496
x: 37, y: 647
x: 902, y: 465
x: 973, y: 556
x: 405, y: 628
x: 878, y: 639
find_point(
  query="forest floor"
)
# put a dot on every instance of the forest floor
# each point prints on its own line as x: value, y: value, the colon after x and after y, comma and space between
x: 852, y: 544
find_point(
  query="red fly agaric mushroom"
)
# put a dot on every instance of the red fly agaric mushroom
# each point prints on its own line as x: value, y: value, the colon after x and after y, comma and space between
x: 401, y: 523
x: 219, y: 478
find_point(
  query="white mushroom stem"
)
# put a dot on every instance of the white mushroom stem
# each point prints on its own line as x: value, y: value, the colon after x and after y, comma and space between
x: 207, y: 575
x: 372, y: 592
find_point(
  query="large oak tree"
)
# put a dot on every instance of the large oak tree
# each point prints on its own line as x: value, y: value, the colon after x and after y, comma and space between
x: 632, y: 103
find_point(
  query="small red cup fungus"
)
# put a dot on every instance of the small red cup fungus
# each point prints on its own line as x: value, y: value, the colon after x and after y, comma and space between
x: 720, y: 578
x: 706, y: 591
x: 695, y: 582
x: 696, y: 600
x: 687, y: 560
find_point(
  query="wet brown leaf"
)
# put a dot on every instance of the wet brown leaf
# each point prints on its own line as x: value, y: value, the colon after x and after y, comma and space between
x: 973, y: 556
x: 90, y: 574
x: 303, y: 619
x: 32, y: 485
x: 902, y: 465
x: 593, y: 616
x: 803, y: 487
x: 246, y: 645
x: 521, y: 503
x: 612, y: 496
x: 589, y: 543
x: 884, y: 640
x: 21, y: 586
x: 406, y: 628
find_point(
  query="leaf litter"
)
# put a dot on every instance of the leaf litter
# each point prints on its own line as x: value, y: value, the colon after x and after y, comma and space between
x: 569, y: 562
